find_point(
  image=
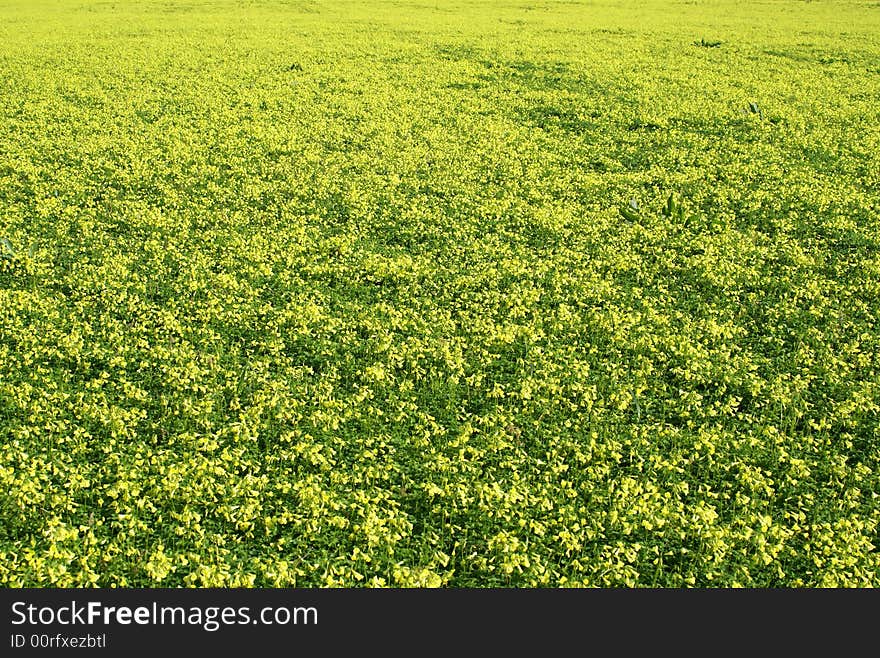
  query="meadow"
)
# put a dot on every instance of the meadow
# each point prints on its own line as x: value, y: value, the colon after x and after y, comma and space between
x: 519, y: 293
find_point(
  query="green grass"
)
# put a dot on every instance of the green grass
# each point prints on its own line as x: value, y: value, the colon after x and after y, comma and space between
x: 439, y: 293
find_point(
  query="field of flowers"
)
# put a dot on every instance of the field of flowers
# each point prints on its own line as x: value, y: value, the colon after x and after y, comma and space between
x: 401, y: 293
